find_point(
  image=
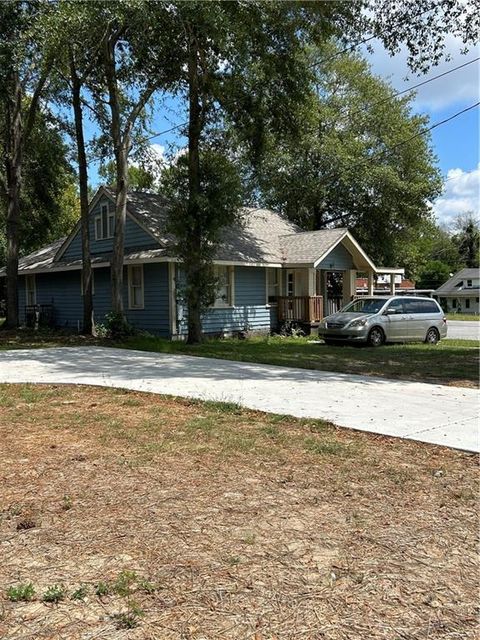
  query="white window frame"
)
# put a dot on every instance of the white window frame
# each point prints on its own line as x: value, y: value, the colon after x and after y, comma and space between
x: 230, y: 284
x: 104, y: 220
x: 131, y: 287
x: 97, y: 223
x: 30, y: 290
x: 93, y: 282
x: 268, y: 283
x: 110, y: 223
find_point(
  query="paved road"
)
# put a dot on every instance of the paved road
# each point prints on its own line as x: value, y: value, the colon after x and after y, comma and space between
x: 460, y: 330
x: 426, y: 412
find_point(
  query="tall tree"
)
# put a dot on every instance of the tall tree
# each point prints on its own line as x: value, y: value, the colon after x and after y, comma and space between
x: 133, y: 64
x: 344, y: 166
x: 24, y: 70
x: 467, y: 239
x: 48, y: 199
x: 77, y: 38
x: 245, y: 63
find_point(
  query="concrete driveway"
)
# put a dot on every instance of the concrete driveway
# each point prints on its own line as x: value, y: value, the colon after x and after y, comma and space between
x: 463, y: 330
x: 426, y: 412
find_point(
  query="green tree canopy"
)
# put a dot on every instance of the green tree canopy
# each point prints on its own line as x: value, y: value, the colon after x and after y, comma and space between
x: 345, y: 167
x: 467, y: 240
x: 433, y: 274
x: 49, y: 199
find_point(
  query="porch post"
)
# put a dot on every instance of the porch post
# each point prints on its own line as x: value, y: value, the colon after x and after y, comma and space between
x: 349, y: 285
x: 312, y: 282
x: 392, y: 284
x: 370, y: 283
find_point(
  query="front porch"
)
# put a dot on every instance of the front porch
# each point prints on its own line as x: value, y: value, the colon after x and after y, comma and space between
x: 323, y: 292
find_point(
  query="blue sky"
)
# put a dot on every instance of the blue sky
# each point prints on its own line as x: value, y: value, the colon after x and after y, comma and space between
x: 455, y: 143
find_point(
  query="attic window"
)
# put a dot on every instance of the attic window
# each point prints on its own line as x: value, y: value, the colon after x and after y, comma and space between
x: 104, y: 223
x: 469, y: 283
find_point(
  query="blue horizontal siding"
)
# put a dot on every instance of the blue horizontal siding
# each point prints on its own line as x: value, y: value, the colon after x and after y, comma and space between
x: 338, y: 259
x: 21, y: 299
x: 154, y: 317
x: 249, y: 313
x: 63, y: 291
x: 135, y: 238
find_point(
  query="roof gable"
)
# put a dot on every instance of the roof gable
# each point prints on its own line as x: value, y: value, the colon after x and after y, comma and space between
x: 458, y: 281
x: 313, y: 248
x: 71, y: 247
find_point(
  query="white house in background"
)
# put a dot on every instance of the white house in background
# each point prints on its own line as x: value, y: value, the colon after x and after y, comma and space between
x: 460, y: 293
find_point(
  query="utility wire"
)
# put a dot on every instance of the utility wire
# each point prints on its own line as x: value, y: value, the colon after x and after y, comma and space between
x: 415, y: 86
x: 373, y: 104
x: 327, y: 59
x: 389, y: 150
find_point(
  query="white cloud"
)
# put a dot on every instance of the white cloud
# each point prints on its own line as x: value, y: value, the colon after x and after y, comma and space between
x: 458, y: 87
x: 461, y: 195
x: 157, y: 152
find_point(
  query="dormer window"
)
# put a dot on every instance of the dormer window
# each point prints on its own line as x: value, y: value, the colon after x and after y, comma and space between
x: 469, y: 283
x: 104, y: 223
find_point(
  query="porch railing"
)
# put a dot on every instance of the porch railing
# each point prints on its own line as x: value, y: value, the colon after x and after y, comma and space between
x: 334, y: 304
x: 300, y: 309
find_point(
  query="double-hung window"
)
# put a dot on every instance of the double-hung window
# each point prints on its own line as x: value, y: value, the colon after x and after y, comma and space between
x: 224, y: 286
x: 135, y: 286
x: 104, y: 223
x: 273, y: 285
x: 30, y: 290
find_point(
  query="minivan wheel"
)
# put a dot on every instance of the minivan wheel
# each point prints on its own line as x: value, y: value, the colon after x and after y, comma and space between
x: 376, y: 337
x: 432, y: 336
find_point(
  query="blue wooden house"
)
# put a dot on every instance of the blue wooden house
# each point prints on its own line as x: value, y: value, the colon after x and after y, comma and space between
x: 268, y: 271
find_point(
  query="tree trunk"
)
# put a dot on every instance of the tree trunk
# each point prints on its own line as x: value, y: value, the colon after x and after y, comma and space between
x: 13, y: 165
x: 195, y: 266
x: 121, y: 150
x: 120, y: 219
x: 84, y: 213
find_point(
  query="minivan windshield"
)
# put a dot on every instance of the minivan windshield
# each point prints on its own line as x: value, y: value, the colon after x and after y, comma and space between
x: 365, y: 305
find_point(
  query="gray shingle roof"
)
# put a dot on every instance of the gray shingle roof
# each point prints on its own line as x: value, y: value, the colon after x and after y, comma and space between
x: 257, y: 239
x: 453, y: 286
x: 262, y: 236
x: 40, y: 259
x: 307, y: 247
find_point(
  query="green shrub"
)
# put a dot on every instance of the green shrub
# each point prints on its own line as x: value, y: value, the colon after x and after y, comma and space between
x: 118, y: 327
x: 21, y: 593
x: 54, y: 593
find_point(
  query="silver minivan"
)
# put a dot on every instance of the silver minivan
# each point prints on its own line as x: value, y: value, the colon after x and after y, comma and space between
x: 380, y: 319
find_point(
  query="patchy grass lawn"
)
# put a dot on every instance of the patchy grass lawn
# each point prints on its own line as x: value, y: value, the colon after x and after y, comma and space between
x: 449, y: 362
x: 126, y: 515
x: 463, y: 316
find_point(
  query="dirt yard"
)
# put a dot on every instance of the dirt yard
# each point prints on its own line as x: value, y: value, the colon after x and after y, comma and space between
x: 131, y: 516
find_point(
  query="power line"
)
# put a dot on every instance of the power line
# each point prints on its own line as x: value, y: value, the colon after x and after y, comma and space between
x: 390, y: 150
x: 327, y: 59
x: 415, y: 86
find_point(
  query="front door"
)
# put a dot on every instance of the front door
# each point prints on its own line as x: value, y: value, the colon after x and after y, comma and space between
x: 290, y: 284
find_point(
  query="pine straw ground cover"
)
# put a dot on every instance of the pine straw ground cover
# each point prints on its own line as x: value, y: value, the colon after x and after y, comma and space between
x: 142, y: 516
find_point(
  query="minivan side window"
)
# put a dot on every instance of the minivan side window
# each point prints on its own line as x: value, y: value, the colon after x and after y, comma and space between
x: 412, y: 306
x: 422, y: 306
x: 397, y: 305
